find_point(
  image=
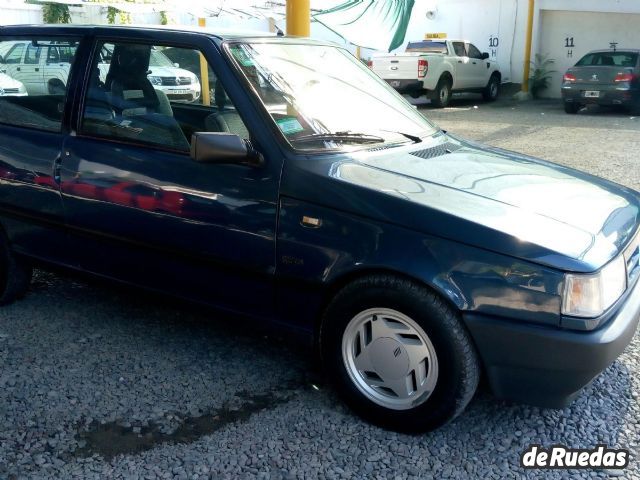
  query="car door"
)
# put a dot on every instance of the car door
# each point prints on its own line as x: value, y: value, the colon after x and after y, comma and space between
x: 479, y: 73
x: 13, y: 57
x: 141, y: 210
x: 32, y: 129
x: 30, y: 71
x: 56, y: 61
x: 463, y: 77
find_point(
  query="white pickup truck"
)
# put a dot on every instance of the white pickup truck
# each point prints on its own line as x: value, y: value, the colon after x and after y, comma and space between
x: 438, y: 68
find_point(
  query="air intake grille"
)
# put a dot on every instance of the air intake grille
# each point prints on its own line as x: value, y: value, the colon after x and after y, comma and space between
x: 437, y: 151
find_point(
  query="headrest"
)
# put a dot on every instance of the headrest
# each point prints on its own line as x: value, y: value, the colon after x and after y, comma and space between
x: 132, y: 59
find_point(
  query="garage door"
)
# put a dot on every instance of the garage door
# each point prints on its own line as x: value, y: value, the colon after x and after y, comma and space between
x: 567, y: 36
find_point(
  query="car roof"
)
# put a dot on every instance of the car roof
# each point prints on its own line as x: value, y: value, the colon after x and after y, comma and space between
x: 617, y: 50
x: 220, y: 33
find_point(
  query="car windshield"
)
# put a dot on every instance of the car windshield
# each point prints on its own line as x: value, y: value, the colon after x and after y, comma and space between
x: 611, y: 59
x: 159, y: 59
x: 321, y: 97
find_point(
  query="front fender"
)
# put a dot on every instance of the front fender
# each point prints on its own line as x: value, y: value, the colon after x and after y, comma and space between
x: 318, y: 247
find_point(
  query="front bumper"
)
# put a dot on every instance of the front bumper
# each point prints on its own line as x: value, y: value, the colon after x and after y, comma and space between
x: 548, y: 366
x: 608, y: 95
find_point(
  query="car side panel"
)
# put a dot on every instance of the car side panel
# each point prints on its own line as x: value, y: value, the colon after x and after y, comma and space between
x: 30, y: 204
x: 311, y: 260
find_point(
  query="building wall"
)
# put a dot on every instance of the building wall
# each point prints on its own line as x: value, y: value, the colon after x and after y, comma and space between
x: 499, y: 26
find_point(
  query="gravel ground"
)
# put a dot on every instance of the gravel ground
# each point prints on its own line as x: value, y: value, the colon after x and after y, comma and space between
x: 104, y: 382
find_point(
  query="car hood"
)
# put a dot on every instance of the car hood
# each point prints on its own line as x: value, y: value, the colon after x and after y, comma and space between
x: 170, y: 72
x: 483, y: 190
x: 7, y: 82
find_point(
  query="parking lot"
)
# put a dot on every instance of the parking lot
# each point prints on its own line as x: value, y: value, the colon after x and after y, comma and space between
x: 98, y: 381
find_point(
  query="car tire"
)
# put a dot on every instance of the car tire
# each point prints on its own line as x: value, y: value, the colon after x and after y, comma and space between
x: 15, y: 275
x: 571, y: 108
x: 56, y: 87
x: 492, y: 90
x: 396, y: 322
x: 442, y: 94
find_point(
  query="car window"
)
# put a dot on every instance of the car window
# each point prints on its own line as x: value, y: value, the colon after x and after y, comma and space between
x: 32, y: 56
x: 458, y: 48
x: 52, y: 55
x: 473, y: 51
x: 14, y: 55
x: 427, y: 47
x: 33, y: 97
x: 617, y: 59
x: 138, y: 93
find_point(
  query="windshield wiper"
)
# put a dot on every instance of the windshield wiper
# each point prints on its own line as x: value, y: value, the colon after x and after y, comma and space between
x: 413, y: 138
x: 340, y: 137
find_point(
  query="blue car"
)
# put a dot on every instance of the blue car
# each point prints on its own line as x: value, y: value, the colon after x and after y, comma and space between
x: 301, y: 190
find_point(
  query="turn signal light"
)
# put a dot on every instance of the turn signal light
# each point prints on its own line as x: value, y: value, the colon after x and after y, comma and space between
x: 370, y: 63
x: 625, y: 77
x: 569, y: 78
x: 423, y: 66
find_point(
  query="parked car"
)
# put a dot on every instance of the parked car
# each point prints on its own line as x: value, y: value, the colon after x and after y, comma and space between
x: 9, y: 86
x: 44, y: 68
x: 438, y: 68
x: 603, y: 77
x: 324, y: 205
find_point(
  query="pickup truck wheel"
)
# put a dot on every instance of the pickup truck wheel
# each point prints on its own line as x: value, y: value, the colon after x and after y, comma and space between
x: 15, y: 275
x: 571, y: 107
x: 442, y: 93
x: 398, y: 354
x: 492, y: 89
x: 56, y: 87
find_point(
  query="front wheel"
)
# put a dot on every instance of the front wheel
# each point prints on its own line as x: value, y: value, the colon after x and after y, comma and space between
x: 492, y: 89
x: 15, y: 274
x: 398, y: 354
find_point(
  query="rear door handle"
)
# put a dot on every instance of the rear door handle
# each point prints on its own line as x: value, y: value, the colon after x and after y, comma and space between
x: 18, y: 69
x: 459, y: 61
x: 57, y: 165
x: 37, y: 69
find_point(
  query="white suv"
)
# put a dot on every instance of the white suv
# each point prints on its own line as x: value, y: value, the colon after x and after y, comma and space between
x: 43, y: 68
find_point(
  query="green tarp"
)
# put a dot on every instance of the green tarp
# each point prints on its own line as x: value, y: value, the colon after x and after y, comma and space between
x: 376, y: 24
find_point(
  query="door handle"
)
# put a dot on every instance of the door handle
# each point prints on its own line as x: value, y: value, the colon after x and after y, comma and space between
x: 459, y: 61
x: 37, y: 69
x: 57, y: 165
x: 473, y: 63
x: 18, y: 69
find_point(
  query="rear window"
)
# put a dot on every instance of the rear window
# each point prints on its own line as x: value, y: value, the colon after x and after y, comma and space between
x: 612, y: 59
x: 427, y: 47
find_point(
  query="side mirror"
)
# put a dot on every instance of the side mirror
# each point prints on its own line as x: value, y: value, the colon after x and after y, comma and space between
x: 485, y: 55
x: 177, y: 65
x: 224, y: 148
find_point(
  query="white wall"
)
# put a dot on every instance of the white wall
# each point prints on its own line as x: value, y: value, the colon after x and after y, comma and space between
x: 482, y: 21
x: 16, y: 13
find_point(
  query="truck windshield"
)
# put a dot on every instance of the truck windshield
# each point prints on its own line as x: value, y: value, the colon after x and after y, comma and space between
x: 322, y: 98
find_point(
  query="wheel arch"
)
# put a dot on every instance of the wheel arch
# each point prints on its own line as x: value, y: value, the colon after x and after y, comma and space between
x: 446, y: 75
x: 338, y: 283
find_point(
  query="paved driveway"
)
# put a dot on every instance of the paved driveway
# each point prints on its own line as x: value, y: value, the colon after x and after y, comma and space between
x: 104, y: 382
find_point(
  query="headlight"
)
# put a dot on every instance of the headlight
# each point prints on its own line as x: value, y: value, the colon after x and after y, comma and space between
x: 155, y: 80
x: 591, y: 295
